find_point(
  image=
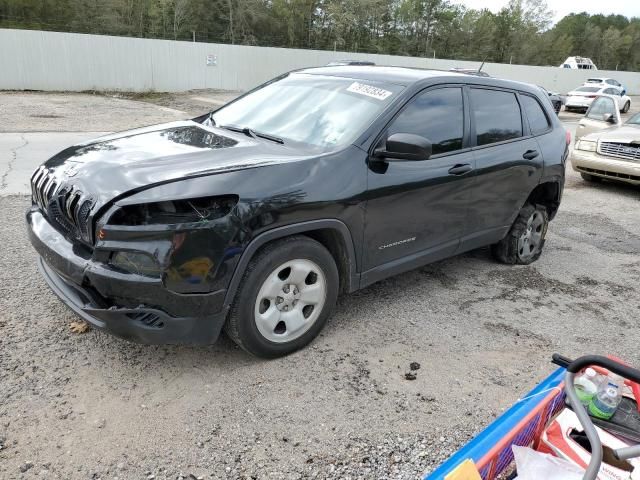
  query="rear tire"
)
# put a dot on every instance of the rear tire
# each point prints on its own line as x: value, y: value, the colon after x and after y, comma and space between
x: 590, y: 178
x: 286, y: 295
x: 525, y: 240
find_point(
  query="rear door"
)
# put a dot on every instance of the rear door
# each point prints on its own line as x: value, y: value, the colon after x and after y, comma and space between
x: 508, y: 164
x: 601, y: 115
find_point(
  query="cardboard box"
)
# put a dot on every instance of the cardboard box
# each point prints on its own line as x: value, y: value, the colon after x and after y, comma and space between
x: 565, y: 438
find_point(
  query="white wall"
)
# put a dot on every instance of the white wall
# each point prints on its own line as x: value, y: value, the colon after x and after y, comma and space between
x: 40, y: 60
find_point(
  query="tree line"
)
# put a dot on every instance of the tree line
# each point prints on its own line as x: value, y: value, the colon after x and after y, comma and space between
x: 521, y: 32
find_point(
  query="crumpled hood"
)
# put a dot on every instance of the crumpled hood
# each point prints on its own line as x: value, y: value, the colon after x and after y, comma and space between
x: 110, y: 166
x: 622, y: 134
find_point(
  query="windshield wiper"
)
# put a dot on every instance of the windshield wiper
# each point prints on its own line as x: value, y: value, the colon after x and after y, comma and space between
x: 249, y: 132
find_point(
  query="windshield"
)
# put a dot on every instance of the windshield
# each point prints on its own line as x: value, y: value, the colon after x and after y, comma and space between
x: 635, y: 120
x: 587, y: 89
x: 594, y: 80
x: 317, y: 110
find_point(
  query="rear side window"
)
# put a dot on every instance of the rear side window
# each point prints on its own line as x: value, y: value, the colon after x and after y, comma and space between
x: 496, y: 115
x: 538, y: 121
x: 436, y: 115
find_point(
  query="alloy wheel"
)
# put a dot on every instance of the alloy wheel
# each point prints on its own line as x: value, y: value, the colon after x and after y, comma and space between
x: 531, y: 239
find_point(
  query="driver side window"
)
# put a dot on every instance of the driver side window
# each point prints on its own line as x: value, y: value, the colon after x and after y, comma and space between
x: 601, y: 106
x: 437, y: 115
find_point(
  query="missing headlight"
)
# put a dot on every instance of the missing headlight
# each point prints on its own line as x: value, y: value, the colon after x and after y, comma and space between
x: 136, y: 262
x: 193, y: 210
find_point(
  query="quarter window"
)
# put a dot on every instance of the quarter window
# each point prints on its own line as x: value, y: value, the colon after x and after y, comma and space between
x: 538, y: 121
x: 496, y: 115
x: 437, y: 115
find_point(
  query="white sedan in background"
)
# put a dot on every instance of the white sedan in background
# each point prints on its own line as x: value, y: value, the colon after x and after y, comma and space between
x: 581, y: 98
x: 604, y: 82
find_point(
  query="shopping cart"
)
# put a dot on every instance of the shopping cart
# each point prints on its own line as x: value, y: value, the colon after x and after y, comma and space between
x: 523, y: 424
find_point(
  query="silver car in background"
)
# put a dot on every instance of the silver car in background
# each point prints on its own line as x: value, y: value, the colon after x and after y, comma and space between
x: 605, y: 147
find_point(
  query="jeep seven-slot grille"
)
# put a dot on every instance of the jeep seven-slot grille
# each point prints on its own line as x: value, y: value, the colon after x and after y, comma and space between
x: 621, y: 150
x: 67, y: 208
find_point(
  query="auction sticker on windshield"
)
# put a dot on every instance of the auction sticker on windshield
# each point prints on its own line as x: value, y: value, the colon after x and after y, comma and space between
x: 369, y: 91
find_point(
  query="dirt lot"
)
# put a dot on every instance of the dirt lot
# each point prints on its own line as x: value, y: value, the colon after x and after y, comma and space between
x: 87, y: 406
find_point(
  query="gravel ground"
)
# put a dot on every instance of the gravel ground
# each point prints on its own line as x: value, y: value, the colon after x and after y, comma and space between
x: 78, y: 112
x: 86, y: 406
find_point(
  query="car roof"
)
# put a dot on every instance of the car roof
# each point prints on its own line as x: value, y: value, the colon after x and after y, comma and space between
x: 407, y: 76
x: 470, y: 71
x: 339, y: 63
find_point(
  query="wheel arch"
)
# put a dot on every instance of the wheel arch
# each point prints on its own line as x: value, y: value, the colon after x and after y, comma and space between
x: 548, y: 194
x: 333, y: 234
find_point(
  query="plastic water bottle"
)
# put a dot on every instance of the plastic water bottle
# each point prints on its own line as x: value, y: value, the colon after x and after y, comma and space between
x: 586, y: 386
x: 604, y: 404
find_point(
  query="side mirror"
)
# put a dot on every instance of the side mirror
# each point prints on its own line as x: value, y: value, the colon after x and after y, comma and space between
x: 609, y: 118
x: 405, y: 146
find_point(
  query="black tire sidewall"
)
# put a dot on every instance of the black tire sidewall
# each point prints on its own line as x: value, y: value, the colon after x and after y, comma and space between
x: 258, y: 270
x: 506, y: 250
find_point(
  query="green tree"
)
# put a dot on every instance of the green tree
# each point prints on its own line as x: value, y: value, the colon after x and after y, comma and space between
x: 520, y: 32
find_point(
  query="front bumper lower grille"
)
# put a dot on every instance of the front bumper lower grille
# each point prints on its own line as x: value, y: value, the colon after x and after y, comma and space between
x: 607, y: 173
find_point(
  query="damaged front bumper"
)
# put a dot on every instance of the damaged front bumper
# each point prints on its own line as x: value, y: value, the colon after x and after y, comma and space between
x: 133, y: 307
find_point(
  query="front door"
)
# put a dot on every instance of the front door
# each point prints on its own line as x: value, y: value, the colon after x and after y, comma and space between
x: 416, y: 210
x: 601, y: 115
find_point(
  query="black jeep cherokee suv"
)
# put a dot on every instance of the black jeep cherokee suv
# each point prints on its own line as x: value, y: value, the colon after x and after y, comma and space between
x: 256, y: 216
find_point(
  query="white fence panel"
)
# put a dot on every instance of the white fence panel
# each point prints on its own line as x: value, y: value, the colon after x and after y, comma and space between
x: 38, y: 60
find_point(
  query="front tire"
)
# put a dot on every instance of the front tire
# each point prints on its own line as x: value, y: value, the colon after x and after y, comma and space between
x: 626, y: 107
x: 525, y: 240
x: 287, y: 293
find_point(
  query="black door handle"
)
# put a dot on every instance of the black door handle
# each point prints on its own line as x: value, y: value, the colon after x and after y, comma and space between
x: 530, y: 154
x: 460, y: 169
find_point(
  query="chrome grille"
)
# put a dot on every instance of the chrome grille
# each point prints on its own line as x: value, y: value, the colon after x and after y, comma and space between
x: 43, y: 186
x: 84, y: 223
x: 67, y: 208
x: 627, y: 151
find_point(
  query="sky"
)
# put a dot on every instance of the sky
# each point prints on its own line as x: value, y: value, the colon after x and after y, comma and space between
x: 629, y: 8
